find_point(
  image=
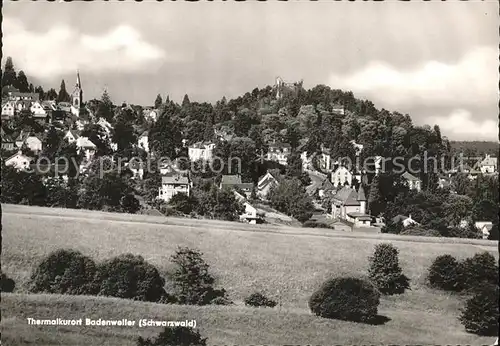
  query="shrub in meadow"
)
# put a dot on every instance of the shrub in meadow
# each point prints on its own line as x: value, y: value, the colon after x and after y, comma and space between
x: 479, y: 270
x: 193, y: 284
x: 445, y: 274
x: 346, y: 298
x: 480, y: 315
x: 258, y: 299
x: 7, y: 285
x: 175, y: 336
x: 64, y: 272
x: 131, y: 277
x: 385, y: 271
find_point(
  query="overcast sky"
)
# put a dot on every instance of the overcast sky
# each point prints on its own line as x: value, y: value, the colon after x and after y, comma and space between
x: 437, y: 61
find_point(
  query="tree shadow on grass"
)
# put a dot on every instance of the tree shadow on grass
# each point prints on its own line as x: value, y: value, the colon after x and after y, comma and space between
x: 378, y: 320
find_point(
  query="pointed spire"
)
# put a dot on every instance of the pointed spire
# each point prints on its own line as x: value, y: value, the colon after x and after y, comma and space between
x: 78, y: 82
x: 361, y: 193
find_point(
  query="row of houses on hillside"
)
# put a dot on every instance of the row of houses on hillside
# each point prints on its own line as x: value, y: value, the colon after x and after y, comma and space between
x: 14, y: 102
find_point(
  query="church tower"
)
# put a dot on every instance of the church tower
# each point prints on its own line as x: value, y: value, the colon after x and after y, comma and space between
x: 77, y: 95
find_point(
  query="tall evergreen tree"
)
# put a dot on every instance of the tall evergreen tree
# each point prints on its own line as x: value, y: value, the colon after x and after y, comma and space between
x: 63, y: 95
x: 185, y: 101
x: 22, y: 82
x: 9, y: 73
x: 51, y: 94
x: 105, y: 108
x: 158, y: 101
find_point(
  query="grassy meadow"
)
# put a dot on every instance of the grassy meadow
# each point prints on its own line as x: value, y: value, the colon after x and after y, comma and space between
x: 286, y: 263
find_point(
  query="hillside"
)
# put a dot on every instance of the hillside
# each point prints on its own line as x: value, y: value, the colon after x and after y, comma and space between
x: 243, y: 258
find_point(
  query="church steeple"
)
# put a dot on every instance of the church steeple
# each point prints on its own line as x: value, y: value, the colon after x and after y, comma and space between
x: 77, y: 95
x: 78, y: 83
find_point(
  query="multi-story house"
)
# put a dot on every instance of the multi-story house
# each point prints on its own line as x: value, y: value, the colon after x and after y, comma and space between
x: 341, y: 176
x: 201, y: 151
x: 488, y: 165
x: 172, y: 185
x: 279, y: 152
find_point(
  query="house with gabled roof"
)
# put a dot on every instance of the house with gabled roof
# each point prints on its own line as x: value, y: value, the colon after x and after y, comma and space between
x: 234, y: 182
x: 407, y: 221
x: 173, y: 184
x: 350, y: 205
x: 412, y: 181
x: 82, y: 143
x: 8, y: 109
x: 341, y: 176
x: 488, y: 165
x: 19, y: 161
x: 266, y: 183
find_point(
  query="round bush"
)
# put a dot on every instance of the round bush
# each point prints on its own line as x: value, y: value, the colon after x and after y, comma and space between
x: 129, y: 276
x: 479, y: 270
x: 480, y: 315
x: 258, y: 299
x: 7, y: 285
x: 444, y: 273
x: 176, y: 336
x: 385, y: 271
x: 346, y: 298
x: 64, y: 272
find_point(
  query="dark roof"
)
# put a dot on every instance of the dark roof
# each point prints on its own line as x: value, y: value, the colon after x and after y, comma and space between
x: 245, y: 186
x: 174, y: 180
x: 347, y: 196
x: 327, y: 185
x: 361, y: 194
x: 360, y: 216
x: 230, y: 180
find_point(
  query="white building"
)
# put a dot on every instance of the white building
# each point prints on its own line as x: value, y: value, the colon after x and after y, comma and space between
x: 407, y: 221
x: 172, y: 185
x: 484, y: 227
x: 38, y: 110
x: 201, y: 151
x: 143, y: 141
x: 412, y: 181
x: 8, y: 109
x: 357, y: 147
x: 265, y: 183
x: 19, y: 161
x: 350, y: 205
x: 82, y: 143
x: 341, y: 177
x: 279, y: 152
x: 488, y: 165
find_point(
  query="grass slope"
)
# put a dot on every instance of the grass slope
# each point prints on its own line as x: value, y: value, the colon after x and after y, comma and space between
x: 222, y: 325
x: 287, y: 263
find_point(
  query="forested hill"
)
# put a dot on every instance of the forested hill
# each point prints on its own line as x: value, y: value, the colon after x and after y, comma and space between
x: 475, y: 147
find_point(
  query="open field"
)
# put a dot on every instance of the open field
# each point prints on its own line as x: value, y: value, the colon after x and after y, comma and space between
x: 287, y: 263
